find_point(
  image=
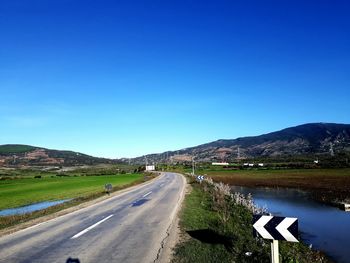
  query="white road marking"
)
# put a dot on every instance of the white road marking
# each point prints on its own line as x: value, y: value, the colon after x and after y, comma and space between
x: 90, y: 227
x: 146, y: 194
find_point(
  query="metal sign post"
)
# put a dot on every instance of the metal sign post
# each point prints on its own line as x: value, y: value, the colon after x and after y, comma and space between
x: 275, y: 256
x: 108, y: 188
x: 276, y: 228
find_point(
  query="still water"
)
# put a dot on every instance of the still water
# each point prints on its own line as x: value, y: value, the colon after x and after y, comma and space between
x: 30, y: 208
x: 327, y: 228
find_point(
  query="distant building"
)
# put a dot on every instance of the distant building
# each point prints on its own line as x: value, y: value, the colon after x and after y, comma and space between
x: 150, y: 168
x: 220, y: 164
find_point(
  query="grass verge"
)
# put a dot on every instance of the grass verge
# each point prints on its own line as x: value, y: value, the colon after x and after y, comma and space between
x: 217, y: 229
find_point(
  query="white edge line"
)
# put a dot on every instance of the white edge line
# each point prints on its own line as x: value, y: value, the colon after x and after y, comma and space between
x: 90, y: 227
x: 147, y: 194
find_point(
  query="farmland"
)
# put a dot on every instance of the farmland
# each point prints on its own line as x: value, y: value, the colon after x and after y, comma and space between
x: 19, y: 192
x: 325, y: 184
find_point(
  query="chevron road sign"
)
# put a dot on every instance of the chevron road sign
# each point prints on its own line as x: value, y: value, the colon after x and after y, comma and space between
x: 200, y: 177
x: 276, y: 227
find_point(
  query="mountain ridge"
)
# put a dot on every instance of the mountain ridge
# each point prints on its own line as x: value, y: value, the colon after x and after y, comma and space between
x: 308, y: 138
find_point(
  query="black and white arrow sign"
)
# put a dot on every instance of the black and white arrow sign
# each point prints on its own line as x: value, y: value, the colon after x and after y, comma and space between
x: 200, y: 177
x: 276, y: 228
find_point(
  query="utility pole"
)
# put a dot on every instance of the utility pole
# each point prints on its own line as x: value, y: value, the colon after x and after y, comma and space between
x: 331, y: 149
x: 167, y: 160
x: 192, y: 165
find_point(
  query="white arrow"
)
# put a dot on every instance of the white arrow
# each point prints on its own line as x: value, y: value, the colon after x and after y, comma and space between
x: 283, y: 229
x: 260, y: 226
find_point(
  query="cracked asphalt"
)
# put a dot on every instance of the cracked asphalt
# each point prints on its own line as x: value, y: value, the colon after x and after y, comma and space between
x: 130, y: 227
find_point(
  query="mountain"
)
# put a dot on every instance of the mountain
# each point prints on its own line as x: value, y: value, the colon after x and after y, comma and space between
x: 307, y: 139
x: 17, y: 154
x: 324, y: 139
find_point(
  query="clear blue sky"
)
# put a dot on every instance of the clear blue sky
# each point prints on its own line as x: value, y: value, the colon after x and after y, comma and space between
x: 127, y: 78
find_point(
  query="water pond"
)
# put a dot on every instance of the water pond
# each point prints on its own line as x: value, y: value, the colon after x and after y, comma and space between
x: 30, y: 208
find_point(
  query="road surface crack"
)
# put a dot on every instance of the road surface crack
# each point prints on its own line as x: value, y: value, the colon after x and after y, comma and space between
x: 162, y: 243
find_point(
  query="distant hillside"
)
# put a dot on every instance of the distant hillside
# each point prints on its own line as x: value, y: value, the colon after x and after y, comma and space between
x: 15, y: 148
x: 16, y: 154
x: 307, y: 139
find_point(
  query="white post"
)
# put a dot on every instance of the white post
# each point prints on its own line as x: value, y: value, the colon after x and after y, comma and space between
x: 274, y: 252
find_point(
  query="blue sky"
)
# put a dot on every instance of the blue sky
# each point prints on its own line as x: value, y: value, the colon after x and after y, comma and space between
x: 127, y: 78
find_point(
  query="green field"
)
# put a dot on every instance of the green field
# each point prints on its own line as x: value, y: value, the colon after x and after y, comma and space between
x: 19, y: 192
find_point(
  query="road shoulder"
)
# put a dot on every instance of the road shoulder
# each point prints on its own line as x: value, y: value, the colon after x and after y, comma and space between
x: 173, y: 233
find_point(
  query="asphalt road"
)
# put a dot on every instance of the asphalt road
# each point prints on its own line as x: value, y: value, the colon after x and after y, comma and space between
x: 130, y: 227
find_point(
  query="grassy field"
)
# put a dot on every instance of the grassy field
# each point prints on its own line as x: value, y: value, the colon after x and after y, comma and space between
x: 263, y: 173
x: 209, y: 236
x: 326, y: 185
x: 100, y: 169
x: 19, y: 192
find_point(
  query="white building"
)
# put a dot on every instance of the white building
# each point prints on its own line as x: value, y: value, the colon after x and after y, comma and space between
x: 220, y: 164
x: 150, y: 168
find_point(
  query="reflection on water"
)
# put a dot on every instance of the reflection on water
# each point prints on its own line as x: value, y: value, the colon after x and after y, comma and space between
x: 327, y: 228
x: 30, y: 208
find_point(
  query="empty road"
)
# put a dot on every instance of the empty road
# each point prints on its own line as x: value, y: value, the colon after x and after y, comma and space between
x: 129, y: 227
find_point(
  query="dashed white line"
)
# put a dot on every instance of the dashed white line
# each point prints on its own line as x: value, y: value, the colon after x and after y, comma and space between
x: 90, y: 227
x: 147, y: 194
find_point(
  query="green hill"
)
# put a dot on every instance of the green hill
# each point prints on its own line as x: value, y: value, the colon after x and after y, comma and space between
x: 15, y: 148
